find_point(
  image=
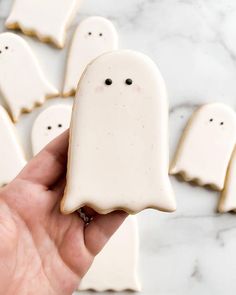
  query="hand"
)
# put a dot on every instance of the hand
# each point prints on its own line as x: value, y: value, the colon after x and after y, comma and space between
x: 42, y: 251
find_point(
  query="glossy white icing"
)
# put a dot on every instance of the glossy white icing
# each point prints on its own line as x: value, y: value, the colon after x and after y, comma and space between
x: 206, y: 146
x: 12, y: 158
x: 228, y: 197
x: 22, y: 82
x: 118, y: 154
x: 49, y: 124
x: 93, y: 37
x: 47, y: 20
x: 116, y: 266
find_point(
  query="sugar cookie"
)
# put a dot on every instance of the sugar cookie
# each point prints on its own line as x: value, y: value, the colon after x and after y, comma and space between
x: 12, y: 157
x: 28, y: 88
x: 93, y: 37
x: 50, y: 123
x: 206, y: 146
x: 118, y: 154
x: 47, y: 20
x: 116, y: 267
x: 228, y: 197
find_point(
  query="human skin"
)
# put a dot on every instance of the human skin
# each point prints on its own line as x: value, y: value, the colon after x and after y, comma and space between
x: 43, y: 251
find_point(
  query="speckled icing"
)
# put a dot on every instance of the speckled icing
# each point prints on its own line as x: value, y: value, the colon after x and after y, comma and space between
x: 119, y: 138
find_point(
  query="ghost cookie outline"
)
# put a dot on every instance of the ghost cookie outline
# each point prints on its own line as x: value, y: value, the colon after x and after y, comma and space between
x: 44, y: 31
x: 227, y: 201
x: 143, y: 107
x: 13, y: 159
x: 110, y: 271
x: 93, y: 37
x: 49, y: 124
x: 209, y: 134
x: 20, y: 95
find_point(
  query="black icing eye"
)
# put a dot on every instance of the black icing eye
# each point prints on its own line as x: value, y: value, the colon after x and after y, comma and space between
x: 101, y: 34
x: 129, y: 81
x: 0, y: 51
x: 221, y: 123
x: 49, y: 127
x: 108, y: 82
x: 59, y: 125
x: 6, y: 47
x: 211, y: 120
x: 89, y: 33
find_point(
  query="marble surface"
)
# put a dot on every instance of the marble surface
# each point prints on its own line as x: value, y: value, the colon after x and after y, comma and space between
x: 192, y: 251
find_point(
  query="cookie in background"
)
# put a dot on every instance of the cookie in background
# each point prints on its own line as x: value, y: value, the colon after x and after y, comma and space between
x: 228, y: 197
x: 12, y: 156
x: 206, y: 146
x: 49, y: 124
x: 22, y: 82
x: 116, y: 267
x: 48, y: 20
x: 93, y: 37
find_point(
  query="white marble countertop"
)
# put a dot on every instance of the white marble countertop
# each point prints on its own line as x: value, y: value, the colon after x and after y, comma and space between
x: 193, y: 251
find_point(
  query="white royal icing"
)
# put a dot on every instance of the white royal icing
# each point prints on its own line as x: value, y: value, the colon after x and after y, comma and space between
x: 116, y: 266
x: 49, y: 124
x: 206, y: 146
x: 12, y: 157
x: 93, y: 37
x: 48, y: 20
x: 228, y: 197
x: 22, y: 82
x: 119, y: 152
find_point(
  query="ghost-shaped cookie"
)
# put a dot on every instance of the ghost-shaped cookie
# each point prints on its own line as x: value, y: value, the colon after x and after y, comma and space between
x: 49, y: 124
x: 119, y: 153
x: 206, y: 146
x: 228, y: 196
x: 22, y: 82
x: 47, y: 20
x: 12, y: 158
x: 116, y: 266
x: 93, y: 37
